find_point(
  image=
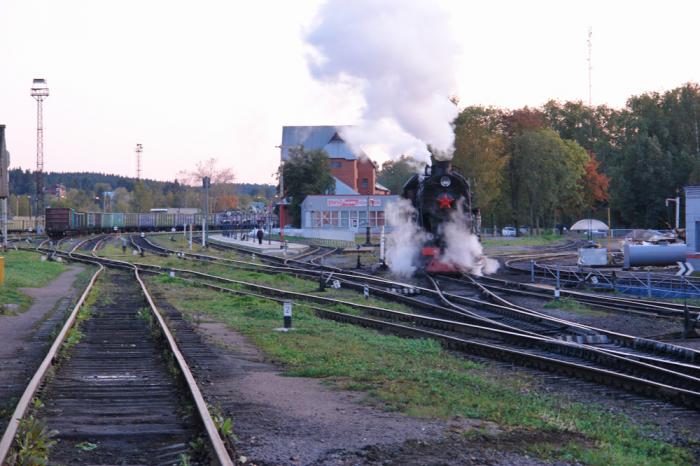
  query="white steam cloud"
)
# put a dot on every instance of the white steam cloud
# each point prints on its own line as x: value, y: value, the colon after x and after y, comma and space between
x: 406, y: 239
x: 401, y: 54
x: 462, y: 248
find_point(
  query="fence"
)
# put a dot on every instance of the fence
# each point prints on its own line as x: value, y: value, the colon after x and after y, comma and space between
x: 649, y: 284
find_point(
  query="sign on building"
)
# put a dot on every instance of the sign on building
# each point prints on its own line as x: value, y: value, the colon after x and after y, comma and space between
x: 353, y: 202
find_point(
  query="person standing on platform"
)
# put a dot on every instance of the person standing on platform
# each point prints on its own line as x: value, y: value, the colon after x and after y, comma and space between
x: 260, y: 235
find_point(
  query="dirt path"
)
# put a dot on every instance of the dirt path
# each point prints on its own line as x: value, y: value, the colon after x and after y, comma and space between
x: 280, y: 420
x: 23, y: 337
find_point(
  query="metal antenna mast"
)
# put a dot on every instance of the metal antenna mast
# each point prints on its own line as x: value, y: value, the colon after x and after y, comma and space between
x: 139, y: 150
x: 590, y: 67
x: 39, y: 91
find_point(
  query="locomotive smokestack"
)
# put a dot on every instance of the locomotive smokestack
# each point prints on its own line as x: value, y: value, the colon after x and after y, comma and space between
x: 440, y: 167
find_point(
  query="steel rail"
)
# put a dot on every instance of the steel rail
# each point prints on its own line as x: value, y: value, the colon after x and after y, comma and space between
x: 220, y: 450
x: 40, y: 374
x: 222, y: 455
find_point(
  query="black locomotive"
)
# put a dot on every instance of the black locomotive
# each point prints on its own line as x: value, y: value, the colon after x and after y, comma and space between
x: 440, y: 195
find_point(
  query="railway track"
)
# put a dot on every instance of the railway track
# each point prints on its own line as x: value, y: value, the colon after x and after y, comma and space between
x: 120, y: 392
x: 503, y: 314
x: 672, y: 376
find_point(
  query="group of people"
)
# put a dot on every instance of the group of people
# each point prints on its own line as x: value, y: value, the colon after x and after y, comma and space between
x: 256, y: 233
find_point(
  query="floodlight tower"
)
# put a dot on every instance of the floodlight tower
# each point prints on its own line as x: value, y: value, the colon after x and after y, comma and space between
x: 40, y: 91
x: 139, y: 150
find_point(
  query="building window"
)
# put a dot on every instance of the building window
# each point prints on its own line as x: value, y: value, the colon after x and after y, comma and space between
x: 336, y: 164
x: 365, y: 183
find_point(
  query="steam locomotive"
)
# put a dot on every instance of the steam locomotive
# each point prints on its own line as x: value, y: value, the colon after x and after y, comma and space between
x: 440, y: 195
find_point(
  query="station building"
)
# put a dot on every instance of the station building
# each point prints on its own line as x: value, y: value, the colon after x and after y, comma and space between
x: 346, y: 212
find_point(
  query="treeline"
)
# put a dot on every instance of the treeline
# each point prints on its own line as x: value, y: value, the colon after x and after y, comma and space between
x: 95, y: 192
x: 563, y: 161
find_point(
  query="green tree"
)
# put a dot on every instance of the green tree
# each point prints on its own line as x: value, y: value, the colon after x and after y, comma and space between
x: 643, y: 179
x: 395, y: 173
x: 305, y: 173
x: 549, y: 173
x: 480, y: 154
x: 142, y: 199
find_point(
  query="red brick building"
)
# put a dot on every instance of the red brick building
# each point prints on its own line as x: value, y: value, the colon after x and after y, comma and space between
x: 354, y: 172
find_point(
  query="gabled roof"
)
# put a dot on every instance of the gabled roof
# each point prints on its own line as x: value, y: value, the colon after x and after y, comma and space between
x: 327, y: 138
x: 342, y: 188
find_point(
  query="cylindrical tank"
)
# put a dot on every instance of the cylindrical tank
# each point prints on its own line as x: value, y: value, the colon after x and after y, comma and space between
x: 639, y: 255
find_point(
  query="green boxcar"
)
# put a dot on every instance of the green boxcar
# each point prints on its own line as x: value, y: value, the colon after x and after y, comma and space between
x: 112, y: 220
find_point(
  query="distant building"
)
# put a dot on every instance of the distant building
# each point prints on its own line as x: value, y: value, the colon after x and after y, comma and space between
x: 353, y: 171
x: 59, y: 191
x: 257, y: 207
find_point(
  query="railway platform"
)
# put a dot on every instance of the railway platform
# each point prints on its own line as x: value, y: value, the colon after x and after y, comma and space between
x: 275, y: 248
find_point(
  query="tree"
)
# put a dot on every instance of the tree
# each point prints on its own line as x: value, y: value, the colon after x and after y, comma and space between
x: 642, y: 180
x: 142, y: 200
x: 303, y: 174
x: 548, y: 173
x: 395, y: 173
x: 595, y: 184
x: 222, y: 186
x: 480, y: 154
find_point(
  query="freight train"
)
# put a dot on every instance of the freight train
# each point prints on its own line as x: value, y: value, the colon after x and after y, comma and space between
x: 440, y: 195
x: 64, y: 221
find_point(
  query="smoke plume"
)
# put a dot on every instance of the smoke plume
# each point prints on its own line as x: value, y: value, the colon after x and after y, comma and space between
x: 406, y: 239
x: 401, y: 55
x: 463, y: 249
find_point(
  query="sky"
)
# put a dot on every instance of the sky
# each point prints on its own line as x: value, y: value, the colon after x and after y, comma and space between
x: 219, y: 78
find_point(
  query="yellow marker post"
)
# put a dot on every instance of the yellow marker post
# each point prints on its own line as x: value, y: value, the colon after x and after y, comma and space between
x: 2, y: 270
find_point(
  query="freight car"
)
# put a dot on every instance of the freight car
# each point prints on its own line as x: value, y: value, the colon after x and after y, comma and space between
x: 64, y: 221
x: 440, y: 195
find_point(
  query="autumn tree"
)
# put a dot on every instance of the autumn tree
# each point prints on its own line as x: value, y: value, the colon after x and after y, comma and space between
x: 222, y: 191
x: 480, y: 154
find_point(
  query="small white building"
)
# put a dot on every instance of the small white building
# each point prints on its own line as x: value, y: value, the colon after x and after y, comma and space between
x: 692, y: 224
x: 348, y: 212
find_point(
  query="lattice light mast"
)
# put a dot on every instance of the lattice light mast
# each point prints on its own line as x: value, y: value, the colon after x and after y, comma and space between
x: 40, y: 91
x: 139, y: 150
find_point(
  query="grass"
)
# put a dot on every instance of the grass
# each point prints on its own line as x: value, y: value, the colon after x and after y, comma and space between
x: 419, y: 378
x: 543, y: 240
x: 570, y: 304
x: 25, y: 269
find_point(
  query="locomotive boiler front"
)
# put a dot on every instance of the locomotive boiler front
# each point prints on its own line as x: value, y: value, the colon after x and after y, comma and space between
x: 439, y: 196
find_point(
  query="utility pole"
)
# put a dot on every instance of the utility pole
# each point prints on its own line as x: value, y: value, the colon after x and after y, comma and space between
x: 206, y: 182
x: 590, y: 67
x: 139, y: 150
x: 39, y: 91
x: 4, y: 184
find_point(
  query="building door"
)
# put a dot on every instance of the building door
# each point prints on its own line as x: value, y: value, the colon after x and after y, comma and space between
x: 353, y: 224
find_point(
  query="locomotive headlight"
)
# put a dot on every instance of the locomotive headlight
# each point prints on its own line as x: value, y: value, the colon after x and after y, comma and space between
x: 445, y: 181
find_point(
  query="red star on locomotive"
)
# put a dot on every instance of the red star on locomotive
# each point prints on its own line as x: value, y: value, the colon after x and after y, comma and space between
x: 444, y: 201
